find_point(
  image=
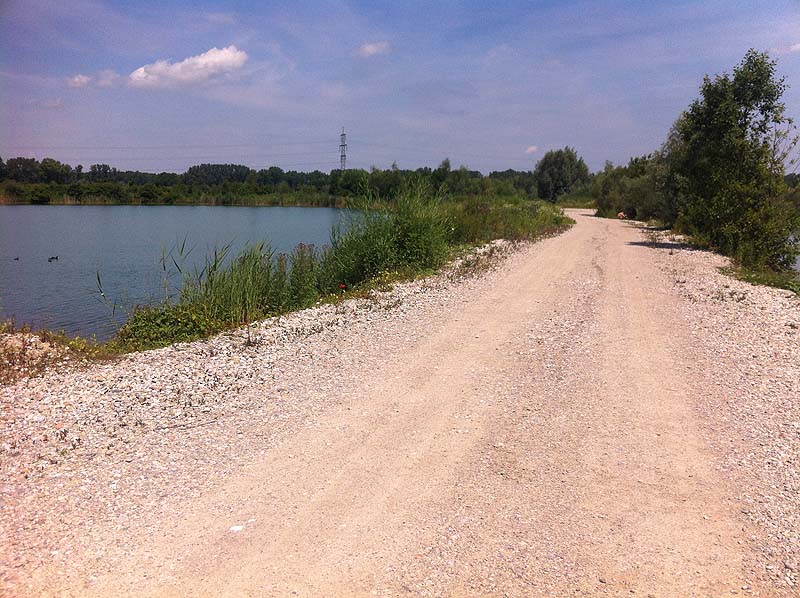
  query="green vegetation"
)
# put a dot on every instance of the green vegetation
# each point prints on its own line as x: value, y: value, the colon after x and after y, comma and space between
x: 559, y: 172
x: 580, y: 197
x: 414, y: 234
x: 26, y: 180
x: 782, y: 280
x: 719, y: 177
x: 408, y: 223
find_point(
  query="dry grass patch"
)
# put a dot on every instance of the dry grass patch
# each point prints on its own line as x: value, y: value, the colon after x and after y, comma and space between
x: 24, y: 354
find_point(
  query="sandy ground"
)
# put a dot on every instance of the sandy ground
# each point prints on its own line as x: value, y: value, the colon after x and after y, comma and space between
x: 553, y: 428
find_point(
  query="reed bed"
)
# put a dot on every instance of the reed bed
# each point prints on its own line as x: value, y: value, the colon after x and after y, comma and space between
x: 416, y: 233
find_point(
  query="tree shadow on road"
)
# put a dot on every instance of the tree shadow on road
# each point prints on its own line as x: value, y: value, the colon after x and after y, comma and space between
x: 662, y: 245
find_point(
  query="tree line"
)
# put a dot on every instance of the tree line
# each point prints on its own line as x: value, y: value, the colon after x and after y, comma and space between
x: 720, y: 174
x: 49, y: 180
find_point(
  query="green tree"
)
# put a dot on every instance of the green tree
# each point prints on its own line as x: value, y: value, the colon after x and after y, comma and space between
x: 53, y: 171
x: 100, y: 172
x: 439, y: 176
x: 729, y: 169
x: 24, y: 170
x: 559, y: 172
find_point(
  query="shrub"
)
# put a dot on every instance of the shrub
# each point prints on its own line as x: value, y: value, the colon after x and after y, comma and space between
x: 360, y: 249
x: 420, y: 227
x: 303, y: 276
x: 149, y: 327
x: 481, y: 220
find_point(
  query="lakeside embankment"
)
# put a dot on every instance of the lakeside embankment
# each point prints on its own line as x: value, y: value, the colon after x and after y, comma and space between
x: 623, y: 411
x: 415, y: 234
x: 278, y: 200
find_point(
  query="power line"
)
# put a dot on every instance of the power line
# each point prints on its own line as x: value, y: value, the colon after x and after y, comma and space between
x: 417, y: 150
x: 151, y: 147
x: 208, y: 157
x: 414, y: 150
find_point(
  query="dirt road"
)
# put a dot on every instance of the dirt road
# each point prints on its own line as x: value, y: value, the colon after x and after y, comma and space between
x: 543, y: 439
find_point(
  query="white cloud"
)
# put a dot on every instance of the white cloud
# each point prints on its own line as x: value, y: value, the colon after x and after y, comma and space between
x: 794, y: 48
x: 106, y: 78
x: 79, y: 81
x: 373, y: 49
x: 532, y: 149
x: 191, y: 71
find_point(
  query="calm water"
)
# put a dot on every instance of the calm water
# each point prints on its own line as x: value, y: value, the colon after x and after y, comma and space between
x: 124, y: 244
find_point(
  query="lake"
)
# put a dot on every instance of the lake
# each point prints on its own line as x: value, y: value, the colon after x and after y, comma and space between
x: 124, y: 244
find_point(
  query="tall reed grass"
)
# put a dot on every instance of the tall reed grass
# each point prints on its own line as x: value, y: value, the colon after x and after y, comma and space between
x: 415, y: 233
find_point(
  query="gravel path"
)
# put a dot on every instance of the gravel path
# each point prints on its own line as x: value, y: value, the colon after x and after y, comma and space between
x: 598, y: 415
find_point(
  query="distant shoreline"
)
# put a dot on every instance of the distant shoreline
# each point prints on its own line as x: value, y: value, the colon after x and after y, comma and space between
x: 331, y: 202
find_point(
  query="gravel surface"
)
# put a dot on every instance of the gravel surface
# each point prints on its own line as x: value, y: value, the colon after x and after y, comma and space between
x: 751, y: 337
x: 599, y: 414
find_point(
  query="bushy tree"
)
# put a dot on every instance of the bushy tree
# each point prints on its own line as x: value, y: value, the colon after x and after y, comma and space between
x: 439, y: 176
x: 730, y: 167
x: 53, y: 171
x: 24, y: 170
x: 559, y: 172
x: 100, y: 172
x: 637, y: 190
x: 523, y: 181
x: 216, y: 174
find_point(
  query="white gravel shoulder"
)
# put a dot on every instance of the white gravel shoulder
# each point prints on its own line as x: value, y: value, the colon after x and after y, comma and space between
x: 751, y: 337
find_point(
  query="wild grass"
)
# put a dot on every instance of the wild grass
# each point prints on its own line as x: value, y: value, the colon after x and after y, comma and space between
x: 416, y: 233
x: 379, y: 243
x: 583, y: 197
x: 26, y: 352
x: 480, y: 220
x: 788, y: 280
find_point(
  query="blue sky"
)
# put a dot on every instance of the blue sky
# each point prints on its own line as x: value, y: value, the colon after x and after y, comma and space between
x: 162, y: 85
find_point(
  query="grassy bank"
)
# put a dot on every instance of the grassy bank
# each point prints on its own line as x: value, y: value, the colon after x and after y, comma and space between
x: 781, y: 280
x: 413, y: 235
